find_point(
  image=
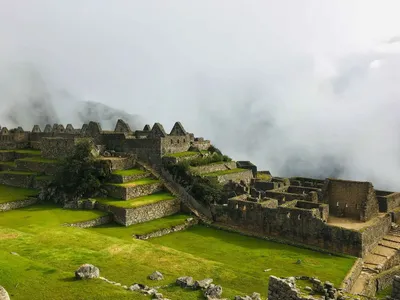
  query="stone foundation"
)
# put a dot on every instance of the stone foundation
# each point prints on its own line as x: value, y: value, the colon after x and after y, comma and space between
x: 245, y: 175
x: 17, y: 204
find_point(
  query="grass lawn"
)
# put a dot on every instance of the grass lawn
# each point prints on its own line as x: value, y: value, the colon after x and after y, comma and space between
x: 40, y: 159
x: 224, y: 172
x: 24, y: 151
x: 264, y: 176
x: 18, y: 173
x: 49, y: 254
x: 183, y: 154
x: 126, y: 233
x: 142, y: 181
x: 10, y: 193
x: 139, y: 201
x: 129, y: 172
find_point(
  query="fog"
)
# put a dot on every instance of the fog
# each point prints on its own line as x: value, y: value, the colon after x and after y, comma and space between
x: 300, y: 88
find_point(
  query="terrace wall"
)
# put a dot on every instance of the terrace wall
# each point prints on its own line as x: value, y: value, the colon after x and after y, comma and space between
x: 17, y: 204
x: 245, y: 175
x: 17, y: 180
x: 214, y: 167
x: 126, y: 193
x: 291, y: 223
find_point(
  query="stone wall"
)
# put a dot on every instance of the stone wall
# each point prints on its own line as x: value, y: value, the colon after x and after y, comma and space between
x: 396, y: 288
x: 351, y: 199
x: 129, y: 192
x: 305, y: 226
x: 56, y: 147
x: 38, y: 167
x: 175, y: 144
x: 214, y: 167
x: 130, y: 216
x: 352, y: 275
x: 372, y: 234
x: 91, y: 223
x: 17, y: 204
x: 245, y: 175
x: 188, y: 223
x: 201, y: 144
x: 17, y: 179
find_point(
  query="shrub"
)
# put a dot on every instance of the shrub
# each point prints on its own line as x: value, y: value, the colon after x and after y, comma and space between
x: 80, y: 176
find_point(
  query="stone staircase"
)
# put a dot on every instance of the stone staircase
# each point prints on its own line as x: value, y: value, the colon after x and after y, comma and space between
x: 383, y: 257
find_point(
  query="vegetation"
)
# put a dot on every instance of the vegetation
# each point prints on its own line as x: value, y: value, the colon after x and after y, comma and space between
x: 136, y: 182
x: 264, y: 176
x: 129, y: 172
x: 126, y: 233
x: 50, y: 253
x: 25, y: 173
x: 10, y: 193
x: 81, y: 175
x: 224, y: 172
x: 182, y: 154
x: 39, y: 159
x: 137, y: 202
x: 23, y: 151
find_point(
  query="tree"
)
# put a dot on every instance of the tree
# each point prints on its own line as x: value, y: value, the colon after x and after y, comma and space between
x: 80, y: 175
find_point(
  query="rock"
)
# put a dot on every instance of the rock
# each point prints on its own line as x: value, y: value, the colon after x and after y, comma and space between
x: 298, y: 262
x: 106, y: 154
x: 213, y: 291
x: 87, y: 271
x: 158, y: 296
x: 156, y: 276
x: 137, y: 287
x: 14, y: 253
x: 255, y: 296
x: 185, y: 281
x: 3, y: 294
x: 151, y: 292
x: 117, y: 284
x: 125, y: 287
x: 203, y: 284
x: 242, y: 298
x: 308, y: 289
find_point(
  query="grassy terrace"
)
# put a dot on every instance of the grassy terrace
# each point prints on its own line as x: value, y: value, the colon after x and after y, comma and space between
x: 8, y: 163
x: 142, y: 181
x: 9, y: 193
x: 39, y: 159
x: 182, y: 154
x: 129, y: 172
x: 264, y: 176
x: 137, y: 202
x: 142, y: 228
x: 18, y: 173
x: 49, y: 254
x: 224, y: 172
x: 23, y: 151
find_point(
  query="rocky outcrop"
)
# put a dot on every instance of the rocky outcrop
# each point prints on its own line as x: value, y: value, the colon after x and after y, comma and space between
x: 87, y: 271
x: 213, y: 291
x: 3, y: 294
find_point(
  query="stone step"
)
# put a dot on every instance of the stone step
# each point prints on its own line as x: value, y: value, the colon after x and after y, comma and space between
x: 135, y: 188
x: 389, y: 244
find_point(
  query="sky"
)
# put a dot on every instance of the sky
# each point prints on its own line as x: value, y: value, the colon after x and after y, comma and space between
x: 300, y: 88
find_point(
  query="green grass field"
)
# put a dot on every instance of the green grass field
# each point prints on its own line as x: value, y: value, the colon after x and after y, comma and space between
x: 142, y: 181
x: 129, y: 172
x: 39, y: 159
x: 139, y: 201
x: 126, y: 233
x: 23, y: 151
x: 224, y: 172
x: 50, y: 253
x: 9, y: 193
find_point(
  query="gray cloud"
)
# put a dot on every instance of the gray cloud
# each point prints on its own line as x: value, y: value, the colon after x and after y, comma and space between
x: 296, y: 87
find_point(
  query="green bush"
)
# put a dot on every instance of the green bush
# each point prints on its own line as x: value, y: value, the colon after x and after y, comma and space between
x: 80, y: 176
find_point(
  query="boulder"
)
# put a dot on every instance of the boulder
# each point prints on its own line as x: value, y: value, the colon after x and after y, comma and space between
x: 87, y: 271
x: 156, y: 276
x: 3, y: 294
x: 185, y: 281
x: 202, y: 284
x: 213, y: 291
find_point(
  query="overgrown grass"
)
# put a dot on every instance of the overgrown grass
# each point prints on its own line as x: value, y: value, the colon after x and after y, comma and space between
x: 142, y: 181
x: 50, y: 253
x: 129, y: 172
x: 10, y: 193
x: 126, y: 233
x: 40, y: 159
x: 224, y: 172
x: 183, y: 154
x: 137, y: 202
